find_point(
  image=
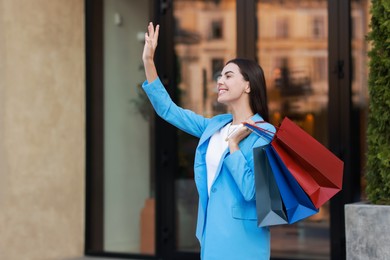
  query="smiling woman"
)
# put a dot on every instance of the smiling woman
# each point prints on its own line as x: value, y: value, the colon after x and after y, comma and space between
x: 224, y: 175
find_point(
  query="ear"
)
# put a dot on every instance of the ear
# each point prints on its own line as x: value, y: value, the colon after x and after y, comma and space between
x: 247, y: 88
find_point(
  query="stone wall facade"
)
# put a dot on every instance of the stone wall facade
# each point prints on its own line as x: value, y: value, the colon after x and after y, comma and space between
x: 42, y: 129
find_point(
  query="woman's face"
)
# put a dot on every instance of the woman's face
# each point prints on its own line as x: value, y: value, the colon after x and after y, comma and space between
x: 231, y: 85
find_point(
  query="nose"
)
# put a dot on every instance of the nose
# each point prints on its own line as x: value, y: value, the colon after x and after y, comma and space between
x: 219, y: 80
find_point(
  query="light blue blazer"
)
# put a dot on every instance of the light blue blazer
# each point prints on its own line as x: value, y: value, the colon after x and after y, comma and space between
x: 227, y: 220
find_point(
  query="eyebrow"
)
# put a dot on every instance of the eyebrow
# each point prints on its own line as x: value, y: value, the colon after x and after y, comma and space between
x: 220, y: 75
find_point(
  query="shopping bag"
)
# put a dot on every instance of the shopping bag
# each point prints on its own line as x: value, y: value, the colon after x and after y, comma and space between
x: 316, y: 169
x: 297, y: 204
x: 269, y: 203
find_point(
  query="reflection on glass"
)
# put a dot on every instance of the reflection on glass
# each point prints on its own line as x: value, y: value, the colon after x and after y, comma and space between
x: 293, y: 51
x: 205, y: 39
x: 129, y: 214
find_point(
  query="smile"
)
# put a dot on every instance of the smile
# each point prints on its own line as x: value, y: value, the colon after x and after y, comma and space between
x: 222, y: 90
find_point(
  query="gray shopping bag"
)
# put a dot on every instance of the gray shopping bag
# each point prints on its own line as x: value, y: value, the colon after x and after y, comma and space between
x: 269, y: 204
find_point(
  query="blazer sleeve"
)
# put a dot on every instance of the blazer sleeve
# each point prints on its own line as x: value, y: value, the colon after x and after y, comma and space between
x: 241, y: 166
x: 184, y: 119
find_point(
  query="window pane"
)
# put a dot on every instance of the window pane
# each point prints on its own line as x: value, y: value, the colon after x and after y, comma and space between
x: 128, y: 190
x: 293, y: 51
x: 205, y: 40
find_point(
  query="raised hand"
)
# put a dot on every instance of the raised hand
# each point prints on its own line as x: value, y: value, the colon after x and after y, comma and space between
x: 151, y: 38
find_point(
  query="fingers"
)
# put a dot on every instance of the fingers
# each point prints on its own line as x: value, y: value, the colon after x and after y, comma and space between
x: 247, y: 131
x: 250, y: 121
x: 238, y: 135
x: 156, y: 33
x: 242, y: 132
x: 151, y: 30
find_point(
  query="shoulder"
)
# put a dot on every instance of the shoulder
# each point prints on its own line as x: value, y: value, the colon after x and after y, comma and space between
x: 263, y: 124
x: 267, y: 126
x: 264, y: 131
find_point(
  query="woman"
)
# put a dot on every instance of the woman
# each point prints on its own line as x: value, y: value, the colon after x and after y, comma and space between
x: 227, y: 220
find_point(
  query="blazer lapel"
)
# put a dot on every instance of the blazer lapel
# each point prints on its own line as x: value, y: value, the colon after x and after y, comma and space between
x: 220, y: 165
x: 200, y: 159
x: 215, y: 125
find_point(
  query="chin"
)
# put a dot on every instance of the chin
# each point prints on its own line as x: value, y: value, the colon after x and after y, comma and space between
x: 220, y: 100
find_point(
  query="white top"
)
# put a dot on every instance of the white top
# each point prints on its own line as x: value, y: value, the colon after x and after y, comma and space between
x: 215, y: 150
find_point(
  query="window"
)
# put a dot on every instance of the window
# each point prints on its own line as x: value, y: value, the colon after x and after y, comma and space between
x: 320, y: 69
x: 282, y: 29
x: 216, y: 30
x: 318, y: 27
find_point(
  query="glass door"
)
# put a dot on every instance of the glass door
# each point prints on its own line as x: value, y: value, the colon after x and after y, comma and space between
x: 292, y: 47
x: 129, y: 205
x: 205, y: 39
x: 120, y: 215
x: 141, y: 197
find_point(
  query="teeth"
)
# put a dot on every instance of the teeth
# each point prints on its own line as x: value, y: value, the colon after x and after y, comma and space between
x: 221, y: 91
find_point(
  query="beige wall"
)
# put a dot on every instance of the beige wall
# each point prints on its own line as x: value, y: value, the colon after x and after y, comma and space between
x: 42, y: 127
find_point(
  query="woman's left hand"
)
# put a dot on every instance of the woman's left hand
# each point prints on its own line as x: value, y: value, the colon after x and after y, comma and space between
x: 151, y: 39
x: 238, y: 136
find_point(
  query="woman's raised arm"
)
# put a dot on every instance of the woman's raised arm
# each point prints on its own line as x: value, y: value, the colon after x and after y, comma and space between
x: 151, y: 38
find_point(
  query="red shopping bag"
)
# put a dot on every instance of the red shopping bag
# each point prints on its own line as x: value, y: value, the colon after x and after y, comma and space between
x: 318, y: 171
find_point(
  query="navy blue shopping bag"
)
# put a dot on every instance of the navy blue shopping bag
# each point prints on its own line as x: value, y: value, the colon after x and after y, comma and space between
x: 296, y: 202
x: 269, y: 204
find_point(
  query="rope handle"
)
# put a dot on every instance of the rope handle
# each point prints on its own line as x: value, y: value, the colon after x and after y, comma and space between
x: 262, y: 121
x: 265, y: 133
